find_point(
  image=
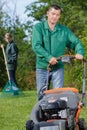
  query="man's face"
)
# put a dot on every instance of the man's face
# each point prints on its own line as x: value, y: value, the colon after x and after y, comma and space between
x: 53, y: 16
x: 8, y: 39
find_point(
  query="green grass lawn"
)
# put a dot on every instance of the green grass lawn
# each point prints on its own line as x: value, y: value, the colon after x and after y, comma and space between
x: 14, y: 112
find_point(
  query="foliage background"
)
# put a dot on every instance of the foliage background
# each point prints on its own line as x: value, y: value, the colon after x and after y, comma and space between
x: 74, y: 16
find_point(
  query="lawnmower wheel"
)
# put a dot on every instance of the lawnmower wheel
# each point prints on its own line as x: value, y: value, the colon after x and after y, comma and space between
x: 81, y: 124
x: 29, y: 125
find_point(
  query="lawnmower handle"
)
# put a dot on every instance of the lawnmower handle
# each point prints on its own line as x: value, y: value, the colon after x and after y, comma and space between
x: 64, y: 59
x: 84, y: 82
x: 65, y: 56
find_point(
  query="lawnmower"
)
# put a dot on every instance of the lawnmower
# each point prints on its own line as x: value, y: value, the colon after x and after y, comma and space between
x: 59, y: 108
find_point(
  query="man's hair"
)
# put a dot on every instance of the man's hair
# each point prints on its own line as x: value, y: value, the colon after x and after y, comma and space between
x: 8, y: 34
x: 55, y: 6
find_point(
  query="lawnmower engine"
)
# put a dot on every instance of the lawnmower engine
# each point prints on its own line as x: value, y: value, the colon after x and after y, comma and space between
x: 56, y: 111
x: 53, y: 109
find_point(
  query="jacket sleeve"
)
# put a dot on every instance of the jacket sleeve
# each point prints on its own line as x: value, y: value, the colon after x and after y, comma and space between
x: 37, y: 43
x: 74, y: 43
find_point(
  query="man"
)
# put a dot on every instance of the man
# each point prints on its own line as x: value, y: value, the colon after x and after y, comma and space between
x: 49, y: 41
x: 11, y: 52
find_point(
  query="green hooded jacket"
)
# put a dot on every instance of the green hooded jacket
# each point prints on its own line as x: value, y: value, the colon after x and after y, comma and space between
x: 11, y: 55
x: 48, y: 43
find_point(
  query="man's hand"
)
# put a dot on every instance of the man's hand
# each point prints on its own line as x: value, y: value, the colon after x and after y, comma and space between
x: 53, y: 61
x: 79, y: 57
x: 2, y: 46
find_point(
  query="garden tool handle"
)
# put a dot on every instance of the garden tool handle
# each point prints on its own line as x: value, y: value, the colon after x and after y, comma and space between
x: 5, y: 62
